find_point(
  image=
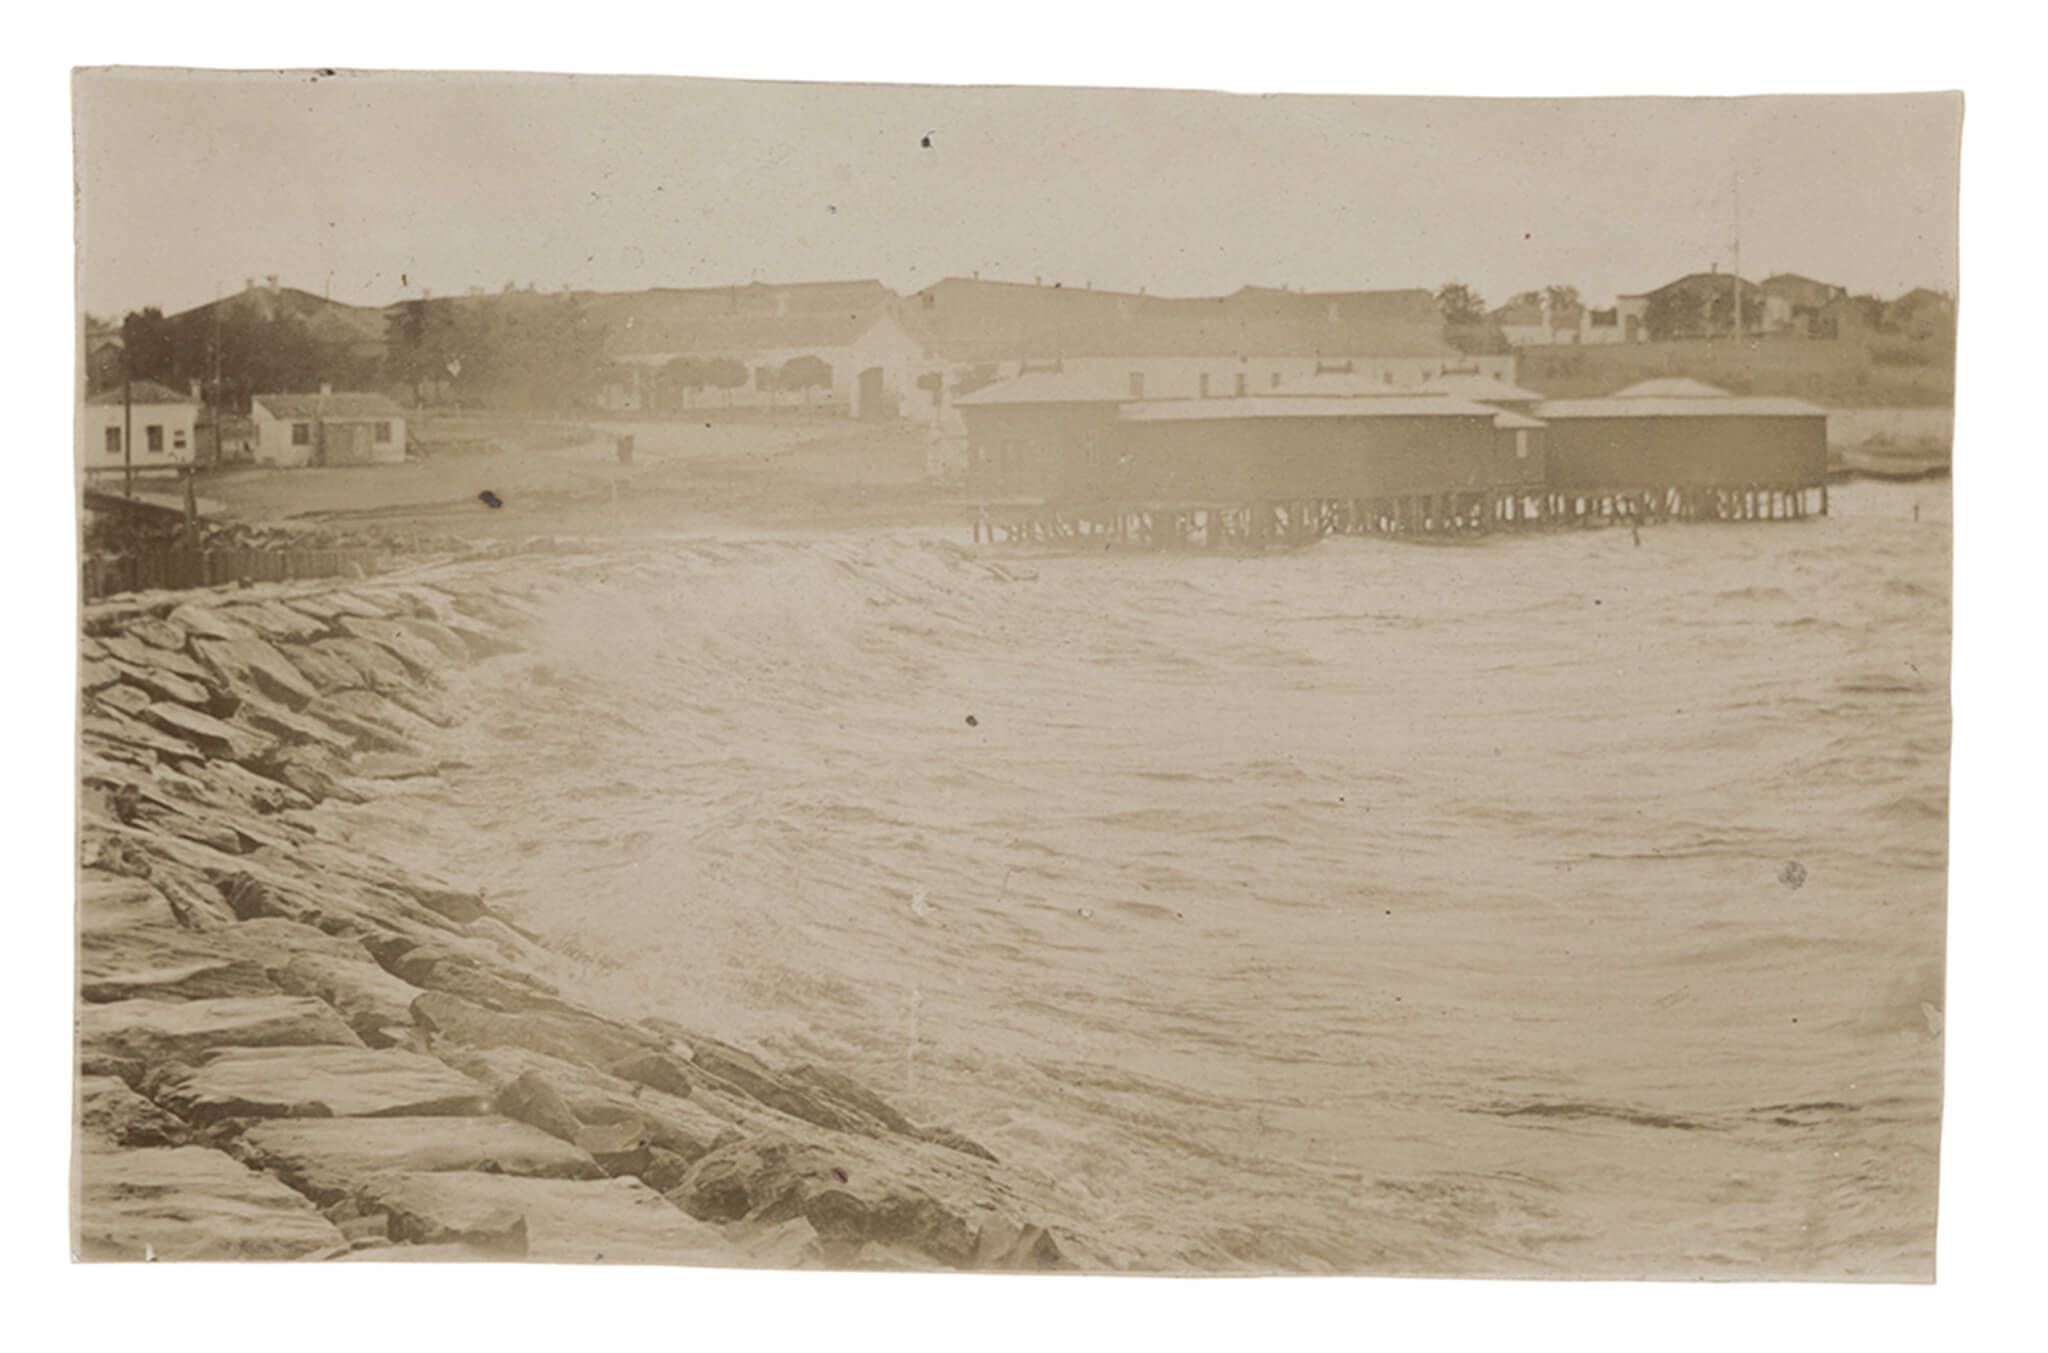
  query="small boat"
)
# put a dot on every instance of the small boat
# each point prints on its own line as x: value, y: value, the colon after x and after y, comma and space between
x: 1884, y: 462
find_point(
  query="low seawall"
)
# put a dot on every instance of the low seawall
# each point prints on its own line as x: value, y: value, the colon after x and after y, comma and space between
x: 291, y: 1048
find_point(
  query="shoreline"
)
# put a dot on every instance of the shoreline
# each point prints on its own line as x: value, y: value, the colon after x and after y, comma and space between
x: 289, y: 1048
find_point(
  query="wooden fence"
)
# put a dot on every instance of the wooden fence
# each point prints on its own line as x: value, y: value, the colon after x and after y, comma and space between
x: 185, y: 566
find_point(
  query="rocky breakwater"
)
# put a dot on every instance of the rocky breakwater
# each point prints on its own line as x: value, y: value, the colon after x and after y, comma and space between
x: 290, y: 1048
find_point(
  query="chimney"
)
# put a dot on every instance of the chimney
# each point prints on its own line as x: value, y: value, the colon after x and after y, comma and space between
x: 270, y: 281
x: 248, y: 284
x: 195, y: 389
x: 326, y: 388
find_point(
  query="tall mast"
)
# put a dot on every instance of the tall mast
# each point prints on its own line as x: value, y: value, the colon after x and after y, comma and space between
x: 1736, y: 285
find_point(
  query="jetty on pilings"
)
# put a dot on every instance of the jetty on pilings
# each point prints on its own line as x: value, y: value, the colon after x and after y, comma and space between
x: 1296, y: 522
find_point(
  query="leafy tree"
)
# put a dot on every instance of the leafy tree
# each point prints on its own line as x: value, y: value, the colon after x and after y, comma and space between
x: 150, y: 344
x: 1675, y: 312
x: 1561, y: 298
x: 1460, y: 304
x: 805, y: 374
x: 723, y: 373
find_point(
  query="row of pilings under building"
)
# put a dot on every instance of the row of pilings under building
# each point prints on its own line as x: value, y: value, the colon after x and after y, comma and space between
x: 1056, y: 456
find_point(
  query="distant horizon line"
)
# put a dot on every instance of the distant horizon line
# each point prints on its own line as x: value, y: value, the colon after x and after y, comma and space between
x: 471, y: 291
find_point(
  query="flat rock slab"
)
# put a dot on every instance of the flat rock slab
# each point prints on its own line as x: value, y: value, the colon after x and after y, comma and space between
x: 275, y: 621
x: 153, y: 1032
x: 211, y: 736
x: 369, y: 998
x: 188, y: 1202
x: 556, y: 1221
x: 253, y: 662
x: 114, y: 902
x: 207, y: 623
x: 332, y: 1158
x: 424, y: 1254
x: 316, y: 1082
x: 189, y: 980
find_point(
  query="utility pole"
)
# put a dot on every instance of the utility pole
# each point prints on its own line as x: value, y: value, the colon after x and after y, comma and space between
x: 127, y: 422
x: 1737, y: 283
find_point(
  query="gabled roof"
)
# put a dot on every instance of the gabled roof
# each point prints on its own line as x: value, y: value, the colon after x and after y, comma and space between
x: 1672, y: 387
x: 1089, y: 385
x: 1480, y: 388
x: 341, y: 404
x: 738, y: 335
x: 141, y: 392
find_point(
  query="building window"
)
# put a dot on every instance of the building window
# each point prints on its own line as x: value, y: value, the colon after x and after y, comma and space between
x: 1521, y: 444
x: 383, y: 433
x: 1137, y: 385
x: 177, y: 439
x: 155, y: 434
x: 1275, y: 385
x: 1240, y: 385
x: 1205, y: 385
x: 302, y: 434
x: 114, y: 440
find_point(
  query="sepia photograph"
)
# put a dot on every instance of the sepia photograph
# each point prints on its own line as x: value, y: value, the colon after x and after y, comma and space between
x: 852, y: 676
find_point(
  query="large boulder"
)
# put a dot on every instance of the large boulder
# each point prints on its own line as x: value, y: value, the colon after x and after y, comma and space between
x: 207, y: 622
x: 323, y: 669
x: 375, y: 666
x: 315, y: 1082
x: 155, y: 632
x: 584, y: 1039
x: 687, y: 1128
x: 116, y: 902
x: 162, y: 685
x: 416, y: 653
x: 110, y: 1113
x: 330, y: 1159
x: 188, y: 1202
x: 619, y: 1221
x: 859, y: 1194
x: 154, y: 1032
x: 211, y: 736
x: 275, y: 621
x: 254, y: 664
x: 186, y: 980
x: 376, y: 1005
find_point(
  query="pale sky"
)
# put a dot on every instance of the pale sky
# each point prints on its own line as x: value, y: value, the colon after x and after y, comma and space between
x: 373, y: 186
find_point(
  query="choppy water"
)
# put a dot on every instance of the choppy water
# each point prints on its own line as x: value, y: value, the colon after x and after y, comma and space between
x: 1376, y: 907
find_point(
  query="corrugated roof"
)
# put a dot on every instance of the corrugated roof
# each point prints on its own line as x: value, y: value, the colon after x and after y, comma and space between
x: 341, y: 404
x: 141, y: 392
x: 1225, y: 336
x: 1673, y: 387
x: 1651, y: 406
x: 1300, y: 406
x: 737, y: 335
x: 1087, y: 386
x: 1480, y: 388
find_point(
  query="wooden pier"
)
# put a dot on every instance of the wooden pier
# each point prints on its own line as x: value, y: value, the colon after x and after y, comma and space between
x: 1294, y: 523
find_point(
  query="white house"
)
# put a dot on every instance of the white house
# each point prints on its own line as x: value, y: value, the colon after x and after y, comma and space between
x: 346, y: 428
x: 162, y: 423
